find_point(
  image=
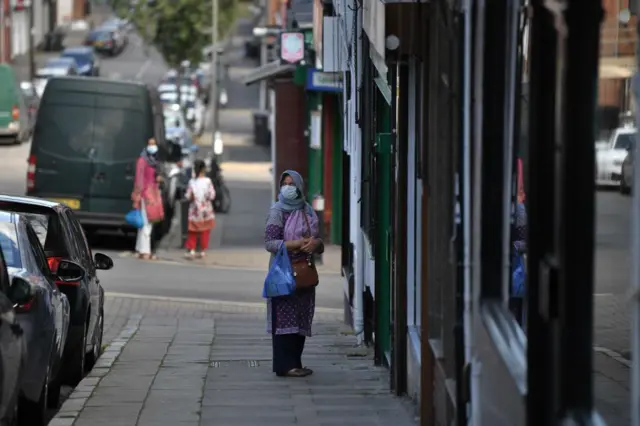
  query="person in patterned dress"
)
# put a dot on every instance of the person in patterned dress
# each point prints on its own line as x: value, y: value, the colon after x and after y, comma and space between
x: 519, y: 238
x: 202, y: 220
x: 289, y: 318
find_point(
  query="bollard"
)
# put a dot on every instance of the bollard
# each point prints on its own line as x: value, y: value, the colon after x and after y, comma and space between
x: 318, y: 206
x: 184, y: 220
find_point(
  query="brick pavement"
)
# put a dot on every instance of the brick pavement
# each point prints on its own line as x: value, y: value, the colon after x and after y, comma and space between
x: 191, y: 369
x: 240, y: 340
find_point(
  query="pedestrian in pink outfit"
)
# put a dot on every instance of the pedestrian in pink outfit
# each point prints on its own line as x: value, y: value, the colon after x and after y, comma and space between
x: 147, y: 198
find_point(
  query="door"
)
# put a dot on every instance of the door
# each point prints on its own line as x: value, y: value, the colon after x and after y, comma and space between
x: 11, y: 344
x: 62, y: 147
x: 120, y: 134
x: 85, y: 258
x: 383, y: 227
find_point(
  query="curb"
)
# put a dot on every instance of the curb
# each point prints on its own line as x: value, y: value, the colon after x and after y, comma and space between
x: 72, y: 407
x: 222, y: 306
x: 613, y: 355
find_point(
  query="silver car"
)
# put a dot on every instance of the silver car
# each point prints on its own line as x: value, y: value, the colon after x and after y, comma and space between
x: 44, y: 318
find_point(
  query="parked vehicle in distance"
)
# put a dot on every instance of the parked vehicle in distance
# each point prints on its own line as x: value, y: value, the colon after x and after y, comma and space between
x: 104, y: 41
x: 44, y: 317
x: 62, y: 237
x: 118, y: 28
x: 609, y: 159
x: 626, y: 177
x: 89, y: 134
x: 14, y: 117
x: 85, y: 57
x: 54, y: 67
x: 32, y: 100
x: 13, y: 350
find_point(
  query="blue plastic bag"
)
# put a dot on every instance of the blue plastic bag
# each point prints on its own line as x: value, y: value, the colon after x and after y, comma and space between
x: 279, y: 280
x: 518, y: 276
x: 135, y: 219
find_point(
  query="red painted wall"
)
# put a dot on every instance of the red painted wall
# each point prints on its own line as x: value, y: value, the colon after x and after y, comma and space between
x: 291, y: 146
x: 6, y: 52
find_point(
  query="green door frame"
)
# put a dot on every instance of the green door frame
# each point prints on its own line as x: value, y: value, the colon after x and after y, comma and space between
x: 383, y: 227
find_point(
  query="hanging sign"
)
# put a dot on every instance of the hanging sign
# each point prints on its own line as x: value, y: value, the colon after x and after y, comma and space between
x: 292, y: 47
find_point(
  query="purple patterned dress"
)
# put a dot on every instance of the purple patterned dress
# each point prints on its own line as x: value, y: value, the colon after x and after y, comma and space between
x: 294, y: 314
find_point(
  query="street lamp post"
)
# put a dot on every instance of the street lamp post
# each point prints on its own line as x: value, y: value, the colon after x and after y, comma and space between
x: 32, y: 60
x: 214, y: 66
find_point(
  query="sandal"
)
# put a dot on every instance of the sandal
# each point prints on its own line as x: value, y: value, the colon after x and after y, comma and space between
x: 308, y: 371
x: 295, y: 372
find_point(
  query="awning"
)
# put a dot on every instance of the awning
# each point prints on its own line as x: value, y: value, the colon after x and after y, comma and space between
x: 270, y: 70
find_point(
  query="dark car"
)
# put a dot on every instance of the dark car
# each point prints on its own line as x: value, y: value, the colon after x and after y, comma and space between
x: 88, y: 137
x: 105, y: 41
x: 62, y: 237
x: 44, y: 317
x: 13, y: 351
x: 626, y: 177
x: 32, y: 101
x: 85, y: 58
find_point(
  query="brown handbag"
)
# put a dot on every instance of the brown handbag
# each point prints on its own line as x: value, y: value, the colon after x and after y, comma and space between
x: 304, y: 270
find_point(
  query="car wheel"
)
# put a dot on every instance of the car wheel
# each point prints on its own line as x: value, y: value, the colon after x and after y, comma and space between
x: 96, y: 349
x: 624, y: 188
x: 75, y: 369
x: 53, y: 395
x: 34, y: 413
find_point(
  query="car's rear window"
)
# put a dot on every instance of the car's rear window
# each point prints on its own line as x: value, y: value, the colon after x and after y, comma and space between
x: 9, y: 245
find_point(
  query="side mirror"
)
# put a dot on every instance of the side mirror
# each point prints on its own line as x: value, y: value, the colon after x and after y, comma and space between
x: 176, y: 123
x: 69, y: 271
x: 20, y: 292
x: 102, y: 261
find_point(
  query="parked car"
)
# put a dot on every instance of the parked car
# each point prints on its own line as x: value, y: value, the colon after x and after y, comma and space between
x: 626, y: 178
x: 62, y: 237
x: 44, y: 317
x: 609, y: 158
x: 88, y: 137
x: 106, y: 41
x: 85, y: 57
x: 14, y: 117
x: 54, y: 67
x: 13, y: 351
x: 32, y: 100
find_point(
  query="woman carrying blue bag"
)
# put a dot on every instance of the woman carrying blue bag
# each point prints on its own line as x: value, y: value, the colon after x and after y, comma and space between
x: 518, y: 264
x: 291, y: 233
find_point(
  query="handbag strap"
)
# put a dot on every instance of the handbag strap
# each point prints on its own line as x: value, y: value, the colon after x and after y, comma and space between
x: 306, y: 219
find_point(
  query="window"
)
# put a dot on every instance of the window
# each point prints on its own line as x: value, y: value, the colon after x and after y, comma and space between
x: 38, y: 253
x: 9, y: 245
x: 84, y: 251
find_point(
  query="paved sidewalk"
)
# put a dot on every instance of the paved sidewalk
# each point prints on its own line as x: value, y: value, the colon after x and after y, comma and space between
x: 190, y: 371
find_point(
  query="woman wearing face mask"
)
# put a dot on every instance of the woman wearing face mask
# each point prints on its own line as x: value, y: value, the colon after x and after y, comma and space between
x: 293, y: 222
x: 146, y: 197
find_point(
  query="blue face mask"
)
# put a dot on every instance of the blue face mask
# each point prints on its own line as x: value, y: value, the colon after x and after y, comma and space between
x: 152, y: 149
x: 289, y: 192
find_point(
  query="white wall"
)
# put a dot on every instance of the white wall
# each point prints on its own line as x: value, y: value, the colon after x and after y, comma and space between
x: 65, y: 12
x: 19, y: 33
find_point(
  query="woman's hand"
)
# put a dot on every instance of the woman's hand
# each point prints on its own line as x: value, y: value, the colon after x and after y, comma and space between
x: 310, y: 245
x: 159, y: 179
x: 294, y: 244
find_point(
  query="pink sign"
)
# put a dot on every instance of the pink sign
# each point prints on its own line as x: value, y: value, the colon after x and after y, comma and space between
x: 292, y: 47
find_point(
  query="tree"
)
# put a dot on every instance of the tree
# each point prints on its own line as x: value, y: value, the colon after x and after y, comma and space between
x: 180, y: 29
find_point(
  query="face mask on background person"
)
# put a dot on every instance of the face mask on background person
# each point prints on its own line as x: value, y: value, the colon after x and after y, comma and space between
x: 289, y: 192
x: 152, y: 149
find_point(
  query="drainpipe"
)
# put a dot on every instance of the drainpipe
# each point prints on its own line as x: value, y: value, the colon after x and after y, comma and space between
x: 358, y: 251
x: 478, y: 62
